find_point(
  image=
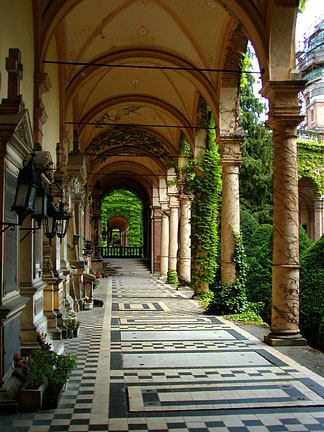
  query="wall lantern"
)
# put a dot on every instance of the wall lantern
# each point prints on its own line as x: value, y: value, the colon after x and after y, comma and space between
x: 41, y: 201
x: 104, y: 234
x: 63, y: 219
x: 28, y: 180
x: 50, y: 220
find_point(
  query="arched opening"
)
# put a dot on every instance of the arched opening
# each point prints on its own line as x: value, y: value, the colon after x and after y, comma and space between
x: 125, y: 216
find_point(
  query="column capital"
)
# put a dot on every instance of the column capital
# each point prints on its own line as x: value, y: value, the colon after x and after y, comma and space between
x: 284, y: 109
x: 231, y: 149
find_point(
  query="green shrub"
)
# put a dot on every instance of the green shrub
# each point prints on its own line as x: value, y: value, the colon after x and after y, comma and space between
x: 304, y: 241
x: 259, y: 270
x: 312, y: 294
x: 248, y: 225
x: 229, y: 298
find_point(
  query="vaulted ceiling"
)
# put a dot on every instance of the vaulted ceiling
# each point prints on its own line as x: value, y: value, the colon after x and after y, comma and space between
x: 161, y: 55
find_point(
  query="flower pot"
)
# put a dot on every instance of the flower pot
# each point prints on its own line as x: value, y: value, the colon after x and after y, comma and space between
x: 30, y: 400
x: 88, y: 306
x: 76, y: 332
x: 70, y: 333
x: 51, y: 400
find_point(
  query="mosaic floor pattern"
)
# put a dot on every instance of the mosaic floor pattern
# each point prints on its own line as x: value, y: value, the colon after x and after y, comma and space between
x: 149, y: 360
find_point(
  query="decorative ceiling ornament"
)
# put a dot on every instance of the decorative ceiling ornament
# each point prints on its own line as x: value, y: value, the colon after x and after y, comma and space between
x: 129, y: 141
x: 129, y: 111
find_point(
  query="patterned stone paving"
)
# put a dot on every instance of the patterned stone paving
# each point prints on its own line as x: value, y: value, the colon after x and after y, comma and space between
x: 149, y: 360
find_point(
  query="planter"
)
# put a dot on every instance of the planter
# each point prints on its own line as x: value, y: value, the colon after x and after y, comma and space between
x: 30, y: 400
x: 88, y: 306
x: 76, y: 332
x: 51, y: 400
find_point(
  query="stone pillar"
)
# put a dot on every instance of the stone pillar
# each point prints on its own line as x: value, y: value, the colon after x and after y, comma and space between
x: 318, y: 204
x: 284, y: 118
x: 231, y: 161
x: 173, y: 236
x: 156, y: 239
x: 164, y: 243
x: 185, y: 238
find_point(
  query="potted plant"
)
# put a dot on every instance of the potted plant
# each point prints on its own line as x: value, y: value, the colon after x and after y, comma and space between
x: 62, y: 366
x: 37, y: 372
x: 72, y: 324
x: 88, y: 303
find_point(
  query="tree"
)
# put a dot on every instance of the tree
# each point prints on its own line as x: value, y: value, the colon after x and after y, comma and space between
x: 257, y: 151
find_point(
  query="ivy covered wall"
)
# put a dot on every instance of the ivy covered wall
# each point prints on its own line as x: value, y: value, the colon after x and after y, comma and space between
x: 311, y: 163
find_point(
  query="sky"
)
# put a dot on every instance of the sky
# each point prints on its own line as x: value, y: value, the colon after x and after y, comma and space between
x: 306, y: 21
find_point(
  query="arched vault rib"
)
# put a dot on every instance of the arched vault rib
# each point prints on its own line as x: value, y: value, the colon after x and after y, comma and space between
x: 179, y: 118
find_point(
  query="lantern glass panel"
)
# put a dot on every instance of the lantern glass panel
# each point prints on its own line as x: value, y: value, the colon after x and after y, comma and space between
x: 21, y: 194
x: 31, y: 202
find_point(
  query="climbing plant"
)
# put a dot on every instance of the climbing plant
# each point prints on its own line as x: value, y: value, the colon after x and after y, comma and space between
x: 230, y: 298
x: 204, y: 180
x: 311, y: 163
x: 122, y: 202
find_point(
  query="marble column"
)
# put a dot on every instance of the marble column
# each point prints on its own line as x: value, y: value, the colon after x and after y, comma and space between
x: 173, y: 236
x: 318, y: 204
x: 231, y: 161
x: 164, y: 244
x: 185, y: 238
x: 284, y: 118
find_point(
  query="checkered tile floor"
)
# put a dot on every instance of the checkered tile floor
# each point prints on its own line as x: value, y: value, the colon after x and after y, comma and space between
x: 149, y: 360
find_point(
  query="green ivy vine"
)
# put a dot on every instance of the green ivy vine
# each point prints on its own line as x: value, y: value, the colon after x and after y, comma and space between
x: 230, y: 298
x: 204, y: 180
x: 311, y: 163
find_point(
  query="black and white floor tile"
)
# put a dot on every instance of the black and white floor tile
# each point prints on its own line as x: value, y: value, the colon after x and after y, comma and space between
x: 149, y: 360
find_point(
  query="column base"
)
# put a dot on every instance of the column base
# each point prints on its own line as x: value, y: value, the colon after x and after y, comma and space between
x: 274, y: 339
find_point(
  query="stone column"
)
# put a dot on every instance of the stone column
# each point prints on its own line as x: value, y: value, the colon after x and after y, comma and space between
x: 318, y: 204
x: 185, y: 238
x: 231, y: 161
x: 164, y: 243
x: 156, y: 239
x: 284, y: 118
x: 173, y: 236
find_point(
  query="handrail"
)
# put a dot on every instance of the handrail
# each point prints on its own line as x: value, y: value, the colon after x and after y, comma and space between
x: 122, y: 252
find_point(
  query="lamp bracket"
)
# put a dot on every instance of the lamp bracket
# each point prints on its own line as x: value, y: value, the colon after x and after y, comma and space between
x: 9, y: 225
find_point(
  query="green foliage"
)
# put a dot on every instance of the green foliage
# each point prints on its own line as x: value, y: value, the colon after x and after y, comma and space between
x: 248, y: 225
x: 304, y: 241
x: 230, y: 298
x: 311, y: 163
x: 250, y: 316
x: 301, y: 6
x: 122, y: 202
x: 204, y: 179
x: 259, y: 273
x: 257, y: 152
x: 312, y: 294
x: 62, y: 367
x: 172, y: 277
x: 40, y: 368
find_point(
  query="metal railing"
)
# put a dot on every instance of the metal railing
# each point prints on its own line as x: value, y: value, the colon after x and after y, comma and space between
x: 122, y: 252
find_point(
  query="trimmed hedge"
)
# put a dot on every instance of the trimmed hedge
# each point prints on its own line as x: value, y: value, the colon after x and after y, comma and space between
x: 312, y: 294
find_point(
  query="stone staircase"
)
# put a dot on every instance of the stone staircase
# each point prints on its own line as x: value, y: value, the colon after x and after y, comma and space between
x: 135, y: 267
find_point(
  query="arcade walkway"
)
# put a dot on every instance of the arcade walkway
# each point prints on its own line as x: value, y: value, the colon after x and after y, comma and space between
x: 151, y: 361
